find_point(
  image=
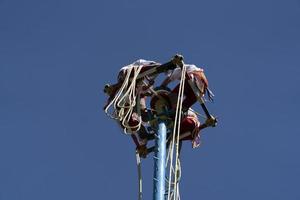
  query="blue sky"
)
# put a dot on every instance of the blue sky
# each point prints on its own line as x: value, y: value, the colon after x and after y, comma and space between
x: 55, y: 57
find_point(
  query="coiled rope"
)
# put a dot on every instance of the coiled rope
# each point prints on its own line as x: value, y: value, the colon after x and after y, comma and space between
x: 125, y: 99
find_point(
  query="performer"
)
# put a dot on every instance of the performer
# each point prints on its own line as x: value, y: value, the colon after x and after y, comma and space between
x: 197, y: 77
x: 111, y: 90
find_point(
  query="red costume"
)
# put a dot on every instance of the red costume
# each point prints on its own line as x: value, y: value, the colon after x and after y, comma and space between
x: 197, y: 77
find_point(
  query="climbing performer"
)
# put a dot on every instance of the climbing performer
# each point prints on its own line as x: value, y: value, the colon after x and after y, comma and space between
x: 194, y: 75
x: 141, y: 138
x: 190, y: 127
x: 190, y: 130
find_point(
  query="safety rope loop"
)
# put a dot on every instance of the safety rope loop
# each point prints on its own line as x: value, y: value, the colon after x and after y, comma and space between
x: 117, y: 96
x: 131, y: 94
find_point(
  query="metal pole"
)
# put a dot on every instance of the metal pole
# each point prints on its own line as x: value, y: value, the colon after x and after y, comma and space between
x: 160, y: 162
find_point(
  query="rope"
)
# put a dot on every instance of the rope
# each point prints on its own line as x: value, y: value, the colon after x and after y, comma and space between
x: 176, y: 130
x: 173, y: 174
x: 130, y: 94
x: 125, y: 99
x: 139, y: 168
x: 178, y: 134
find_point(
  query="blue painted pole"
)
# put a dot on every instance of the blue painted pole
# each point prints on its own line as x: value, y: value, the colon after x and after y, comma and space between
x: 160, y: 162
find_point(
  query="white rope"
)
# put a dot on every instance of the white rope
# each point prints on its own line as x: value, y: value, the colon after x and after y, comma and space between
x: 130, y: 94
x: 172, y: 171
x: 139, y: 168
x: 117, y: 96
x: 172, y: 193
x: 176, y: 129
x: 177, y: 136
x: 125, y: 99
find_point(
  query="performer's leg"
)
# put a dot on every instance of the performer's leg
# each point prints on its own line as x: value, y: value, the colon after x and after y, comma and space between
x: 190, y: 97
x: 187, y: 126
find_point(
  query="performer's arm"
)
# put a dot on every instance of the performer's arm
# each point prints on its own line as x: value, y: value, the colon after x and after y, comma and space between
x: 141, y: 148
x: 209, y: 122
x: 177, y: 61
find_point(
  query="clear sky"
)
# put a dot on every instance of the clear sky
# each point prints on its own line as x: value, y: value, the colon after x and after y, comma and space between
x: 55, y: 57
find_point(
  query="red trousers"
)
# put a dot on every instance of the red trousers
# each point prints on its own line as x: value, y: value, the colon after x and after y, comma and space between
x: 188, y: 125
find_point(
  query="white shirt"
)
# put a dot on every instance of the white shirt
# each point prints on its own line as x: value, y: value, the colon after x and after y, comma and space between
x: 176, y: 74
x: 190, y: 69
x: 138, y: 63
